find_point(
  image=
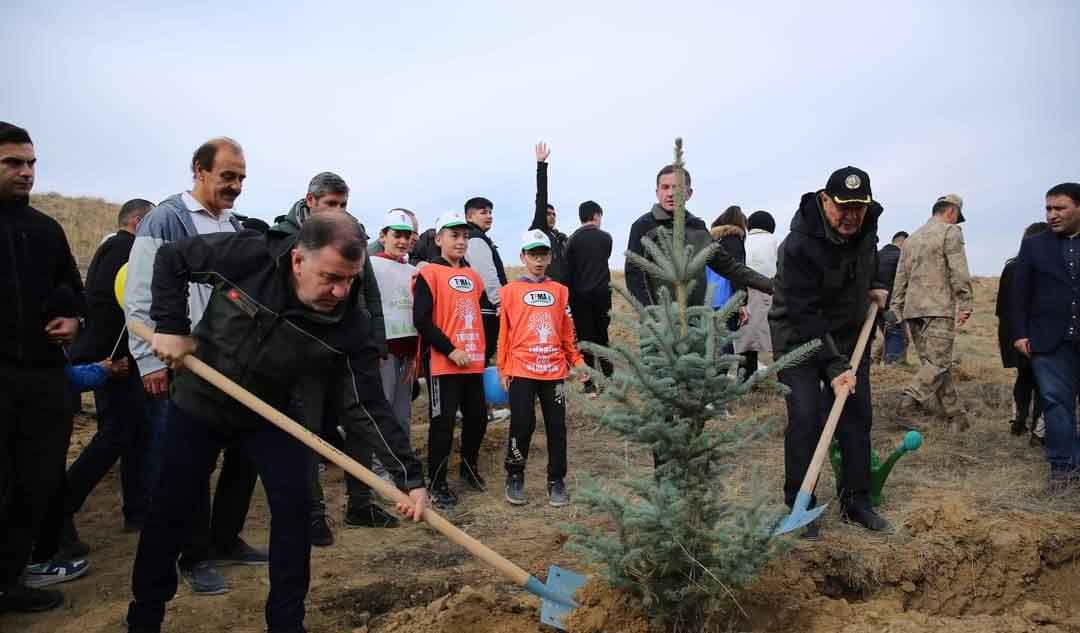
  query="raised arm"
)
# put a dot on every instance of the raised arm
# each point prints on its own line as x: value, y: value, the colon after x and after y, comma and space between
x: 540, y: 212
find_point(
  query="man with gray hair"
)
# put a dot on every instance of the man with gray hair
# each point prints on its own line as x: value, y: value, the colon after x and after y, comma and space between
x: 218, y: 171
x: 276, y: 298
x: 327, y: 193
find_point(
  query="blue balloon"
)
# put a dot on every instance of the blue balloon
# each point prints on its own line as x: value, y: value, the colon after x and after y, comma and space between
x: 912, y: 441
x: 493, y: 389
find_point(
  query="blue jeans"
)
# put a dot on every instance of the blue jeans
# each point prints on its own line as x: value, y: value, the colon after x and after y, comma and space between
x: 1058, y: 376
x: 895, y: 343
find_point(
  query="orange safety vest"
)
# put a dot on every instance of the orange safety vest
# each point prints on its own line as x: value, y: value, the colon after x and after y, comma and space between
x: 536, y: 333
x: 456, y: 296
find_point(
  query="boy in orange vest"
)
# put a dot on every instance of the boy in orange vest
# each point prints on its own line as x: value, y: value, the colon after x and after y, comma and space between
x: 536, y: 351
x: 446, y: 313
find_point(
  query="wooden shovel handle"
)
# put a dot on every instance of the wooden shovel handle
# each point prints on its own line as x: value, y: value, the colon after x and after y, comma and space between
x: 810, y: 481
x: 349, y: 465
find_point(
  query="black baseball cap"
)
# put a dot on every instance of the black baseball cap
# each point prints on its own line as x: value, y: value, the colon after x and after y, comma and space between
x: 849, y: 184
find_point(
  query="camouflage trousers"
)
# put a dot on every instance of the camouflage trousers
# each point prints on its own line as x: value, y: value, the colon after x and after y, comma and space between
x: 933, y: 338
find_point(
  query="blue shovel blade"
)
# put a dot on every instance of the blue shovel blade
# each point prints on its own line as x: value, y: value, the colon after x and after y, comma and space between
x: 800, y: 515
x: 558, y: 601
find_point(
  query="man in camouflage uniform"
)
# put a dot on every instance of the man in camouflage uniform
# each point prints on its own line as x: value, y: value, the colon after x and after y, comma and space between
x: 932, y: 292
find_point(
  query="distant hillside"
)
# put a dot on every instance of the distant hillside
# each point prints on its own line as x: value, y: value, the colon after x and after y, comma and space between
x: 85, y: 220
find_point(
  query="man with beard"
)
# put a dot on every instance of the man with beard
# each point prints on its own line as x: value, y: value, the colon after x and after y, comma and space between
x: 826, y: 273
x: 218, y: 169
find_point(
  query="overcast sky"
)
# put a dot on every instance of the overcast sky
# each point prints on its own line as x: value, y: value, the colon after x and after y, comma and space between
x: 424, y: 106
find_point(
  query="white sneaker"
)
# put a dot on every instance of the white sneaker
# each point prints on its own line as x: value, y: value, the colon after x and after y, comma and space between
x: 497, y: 415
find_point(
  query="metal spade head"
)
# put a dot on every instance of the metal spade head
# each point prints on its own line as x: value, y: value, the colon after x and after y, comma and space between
x: 558, y: 595
x: 800, y: 515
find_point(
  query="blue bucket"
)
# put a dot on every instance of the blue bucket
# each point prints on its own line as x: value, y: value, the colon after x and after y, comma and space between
x: 493, y: 390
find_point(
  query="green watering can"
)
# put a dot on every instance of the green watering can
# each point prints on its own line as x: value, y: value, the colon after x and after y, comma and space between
x: 879, y: 471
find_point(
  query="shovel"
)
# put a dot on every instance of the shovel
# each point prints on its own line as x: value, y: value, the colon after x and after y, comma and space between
x: 801, y: 513
x: 557, y: 595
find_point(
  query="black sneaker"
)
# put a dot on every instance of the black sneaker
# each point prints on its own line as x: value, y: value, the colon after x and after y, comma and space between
x: 241, y: 554
x: 515, y: 490
x: 557, y: 495
x: 865, y: 517
x: 589, y: 388
x: 321, y: 534
x: 472, y: 478
x: 204, y: 579
x: 812, y: 531
x: 1036, y: 442
x: 20, y: 599
x: 370, y: 516
x: 1016, y: 427
x: 442, y: 497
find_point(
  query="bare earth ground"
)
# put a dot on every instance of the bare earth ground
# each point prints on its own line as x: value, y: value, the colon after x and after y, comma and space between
x: 979, y: 546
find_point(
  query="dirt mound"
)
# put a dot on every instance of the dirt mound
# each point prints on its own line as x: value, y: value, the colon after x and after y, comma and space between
x: 604, y: 609
x: 947, y: 569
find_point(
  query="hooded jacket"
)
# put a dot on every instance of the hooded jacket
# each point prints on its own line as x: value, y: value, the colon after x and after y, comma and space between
x: 38, y: 280
x: 646, y: 289
x: 256, y: 332
x: 370, y: 299
x: 822, y: 284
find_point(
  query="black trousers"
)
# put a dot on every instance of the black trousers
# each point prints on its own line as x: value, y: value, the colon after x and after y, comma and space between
x: 121, y: 413
x: 808, y: 406
x: 491, y: 336
x: 217, y: 527
x: 35, y: 429
x: 191, y: 450
x: 523, y: 395
x: 592, y: 316
x: 1025, y: 390
x: 448, y: 393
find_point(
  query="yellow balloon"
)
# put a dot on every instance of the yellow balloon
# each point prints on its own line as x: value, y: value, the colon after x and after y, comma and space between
x: 119, y: 283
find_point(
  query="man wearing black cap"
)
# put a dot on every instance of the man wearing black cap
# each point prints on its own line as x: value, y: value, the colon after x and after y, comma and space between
x: 933, y: 295
x: 825, y: 280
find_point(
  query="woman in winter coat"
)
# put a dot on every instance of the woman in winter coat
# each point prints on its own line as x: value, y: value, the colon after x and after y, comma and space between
x: 729, y: 230
x: 761, y: 249
x: 1025, y: 390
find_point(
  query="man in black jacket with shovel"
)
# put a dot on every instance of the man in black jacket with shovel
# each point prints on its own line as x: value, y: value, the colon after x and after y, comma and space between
x: 284, y: 312
x: 826, y: 277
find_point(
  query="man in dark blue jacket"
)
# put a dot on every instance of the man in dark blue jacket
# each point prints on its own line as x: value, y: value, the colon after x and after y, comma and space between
x: 894, y: 344
x: 1046, y: 323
